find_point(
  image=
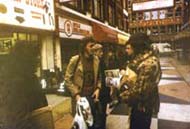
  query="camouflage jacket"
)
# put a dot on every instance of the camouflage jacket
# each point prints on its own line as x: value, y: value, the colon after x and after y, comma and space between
x: 143, y: 94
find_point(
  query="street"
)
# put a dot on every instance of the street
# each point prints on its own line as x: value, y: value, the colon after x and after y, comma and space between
x: 174, y: 96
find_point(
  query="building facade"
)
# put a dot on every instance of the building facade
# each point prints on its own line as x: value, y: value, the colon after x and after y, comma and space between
x: 105, y: 20
x: 161, y: 21
x: 28, y: 21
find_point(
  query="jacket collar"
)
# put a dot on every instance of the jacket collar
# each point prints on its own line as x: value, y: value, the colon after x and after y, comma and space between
x: 139, y: 58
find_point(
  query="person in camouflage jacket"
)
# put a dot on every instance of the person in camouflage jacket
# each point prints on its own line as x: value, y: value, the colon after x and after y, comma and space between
x: 142, y: 95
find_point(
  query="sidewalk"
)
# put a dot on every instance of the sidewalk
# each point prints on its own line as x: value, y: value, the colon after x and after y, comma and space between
x: 64, y: 122
x: 61, y: 109
x: 182, y: 68
x: 184, y: 71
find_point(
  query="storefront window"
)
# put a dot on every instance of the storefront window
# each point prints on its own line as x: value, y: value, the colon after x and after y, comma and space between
x: 22, y: 36
x: 69, y: 48
x: 8, y: 40
x: 34, y: 37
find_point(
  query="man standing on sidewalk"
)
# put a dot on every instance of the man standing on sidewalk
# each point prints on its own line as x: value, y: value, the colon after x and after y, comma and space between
x: 142, y: 95
x: 105, y: 90
x: 82, y: 76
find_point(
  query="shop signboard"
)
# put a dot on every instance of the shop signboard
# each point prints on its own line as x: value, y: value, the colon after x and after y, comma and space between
x: 146, y: 16
x: 154, y: 15
x: 37, y: 14
x: 71, y: 29
x: 153, y: 4
x: 163, y: 14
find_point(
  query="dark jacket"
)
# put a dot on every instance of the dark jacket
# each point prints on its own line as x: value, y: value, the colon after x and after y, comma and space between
x: 105, y: 91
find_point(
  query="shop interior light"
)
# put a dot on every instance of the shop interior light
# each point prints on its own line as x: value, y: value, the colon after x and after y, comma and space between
x: 62, y: 87
x: 64, y: 1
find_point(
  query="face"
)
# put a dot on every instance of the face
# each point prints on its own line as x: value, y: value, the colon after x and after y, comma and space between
x: 99, y: 53
x: 89, y: 48
x: 129, y: 50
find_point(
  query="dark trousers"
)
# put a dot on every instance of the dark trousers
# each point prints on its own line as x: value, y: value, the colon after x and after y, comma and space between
x: 140, y: 119
x: 104, y: 115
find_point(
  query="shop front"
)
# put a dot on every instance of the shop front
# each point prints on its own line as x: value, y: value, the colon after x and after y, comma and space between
x: 31, y: 22
x: 113, y: 43
x: 71, y: 31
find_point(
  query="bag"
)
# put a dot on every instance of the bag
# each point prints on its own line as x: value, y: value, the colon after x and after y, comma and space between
x: 83, y: 117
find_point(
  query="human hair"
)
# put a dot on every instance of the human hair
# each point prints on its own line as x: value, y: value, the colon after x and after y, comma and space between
x: 140, y: 42
x: 84, y: 42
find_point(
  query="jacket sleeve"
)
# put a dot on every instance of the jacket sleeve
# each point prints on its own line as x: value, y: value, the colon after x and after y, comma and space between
x: 99, y: 76
x: 99, y: 84
x: 69, y: 75
x: 145, y: 83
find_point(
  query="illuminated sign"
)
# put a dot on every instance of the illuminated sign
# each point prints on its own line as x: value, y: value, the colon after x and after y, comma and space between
x: 154, y: 15
x: 28, y: 13
x: 72, y: 29
x: 146, y: 16
x: 155, y: 4
x: 163, y: 14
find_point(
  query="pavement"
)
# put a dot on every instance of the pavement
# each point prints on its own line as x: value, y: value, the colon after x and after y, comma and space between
x: 174, y: 92
x: 174, y: 89
x: 183, y: 68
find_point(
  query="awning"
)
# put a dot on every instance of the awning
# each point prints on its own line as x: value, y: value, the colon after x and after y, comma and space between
x: 122, y: 39
x: 104, y: 34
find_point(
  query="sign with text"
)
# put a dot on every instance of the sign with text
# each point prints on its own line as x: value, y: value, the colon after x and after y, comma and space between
x: 163, y: 14
x: 5, y: 46
x: 147, y: 16
x: 154, y: 15
x: 155, y: 4
x: 37, y: 14
x: 72, y: 29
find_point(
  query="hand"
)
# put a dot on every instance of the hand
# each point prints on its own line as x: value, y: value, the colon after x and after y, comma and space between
x: 124, y: 96
x: 122, y: 72
x: 95, y: 95
x: 77, y: 98
x: 125, y: 80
